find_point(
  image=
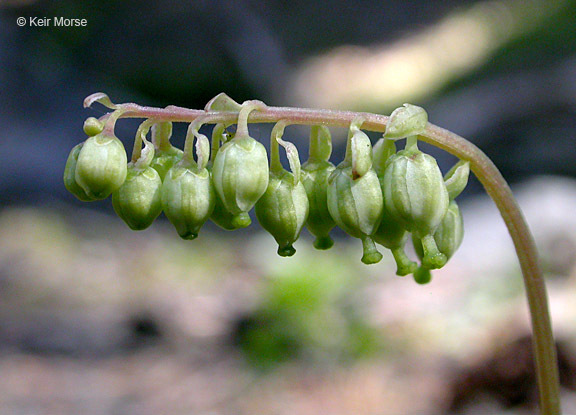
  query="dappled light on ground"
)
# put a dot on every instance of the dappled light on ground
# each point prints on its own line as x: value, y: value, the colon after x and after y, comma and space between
x: 97, y: 319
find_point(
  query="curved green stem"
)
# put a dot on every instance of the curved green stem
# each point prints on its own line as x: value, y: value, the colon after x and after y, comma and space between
x: 217, y: 133
x: 355, y: 124
x: 481, y: 166
x: 245, y: 110
x: 320, y: 143
x: 277, y: 132
x: 161, y: 133
x: 497, y: 188
x: 140, y: 136
x: 412, y: 143
x: 111, y: 121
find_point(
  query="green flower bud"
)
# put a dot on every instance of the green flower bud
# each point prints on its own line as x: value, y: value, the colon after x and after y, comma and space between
x: 240, y: 169
x: 138, y: 201
x: 356, y: 204
x: 187, y: 193
x: 93, y: 126
x: 315, y: 173
x: 415, y: 195
x: 283, y: 208
x: 222, y: 216
x: 101, y: 167
x: 448, y: 238
x: 70, y: 175
x: 187, y: 199
x: 390, y: 233
x: 356, y: 207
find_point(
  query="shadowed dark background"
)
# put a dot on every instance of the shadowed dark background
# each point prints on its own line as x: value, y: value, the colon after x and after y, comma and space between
x: 516, y: 101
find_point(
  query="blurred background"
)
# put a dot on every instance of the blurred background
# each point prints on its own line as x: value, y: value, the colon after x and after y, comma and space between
x: 97, y: 319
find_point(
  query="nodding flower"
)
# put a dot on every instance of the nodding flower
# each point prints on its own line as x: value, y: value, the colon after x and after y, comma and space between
x: 315, y: 173
x: 240, y: 168
x: 354, y: 195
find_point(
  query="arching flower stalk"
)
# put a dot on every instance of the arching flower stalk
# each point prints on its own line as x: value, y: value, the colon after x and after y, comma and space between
x: 240, y: 175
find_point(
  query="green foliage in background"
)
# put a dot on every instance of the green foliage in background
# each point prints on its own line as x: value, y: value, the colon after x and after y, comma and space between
x: 306, y: 312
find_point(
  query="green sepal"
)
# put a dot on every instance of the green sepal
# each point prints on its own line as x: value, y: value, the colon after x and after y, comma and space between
x: 138, y: 201
x: 70, y: 175
x: 101, y: 166
x: 457, y: 178
x: 406, y: 121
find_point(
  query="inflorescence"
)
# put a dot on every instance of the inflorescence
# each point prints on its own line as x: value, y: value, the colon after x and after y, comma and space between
x: 377, y: 194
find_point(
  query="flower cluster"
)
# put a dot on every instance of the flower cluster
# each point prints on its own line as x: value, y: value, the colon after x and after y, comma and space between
x: 379, y: 195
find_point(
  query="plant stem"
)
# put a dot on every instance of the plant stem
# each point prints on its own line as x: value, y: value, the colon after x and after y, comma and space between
x: 486, y: 172
x: 497, y: 188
